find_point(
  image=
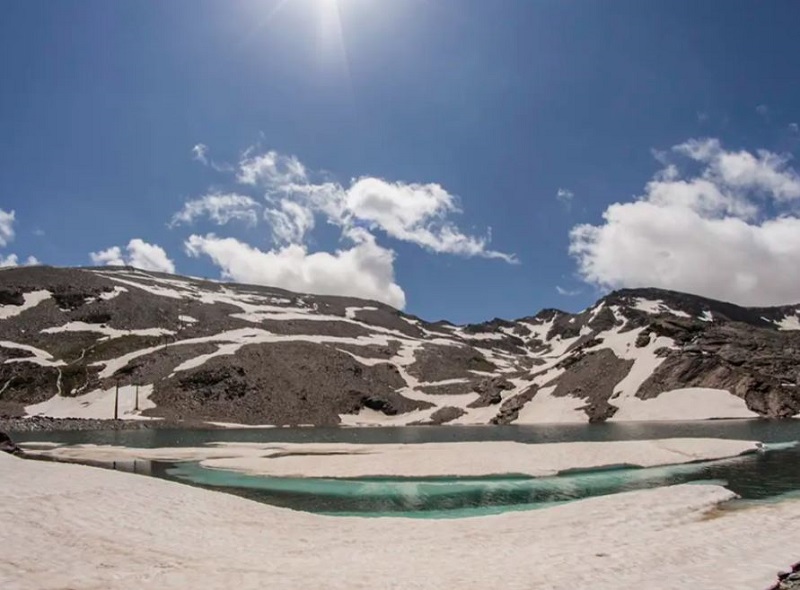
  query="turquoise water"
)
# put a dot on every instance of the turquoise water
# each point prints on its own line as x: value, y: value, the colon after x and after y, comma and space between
x: 760, y: 477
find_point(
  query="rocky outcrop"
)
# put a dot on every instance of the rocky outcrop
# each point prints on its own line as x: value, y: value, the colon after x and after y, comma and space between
x: 490, y: 391
x: 7, y: 445
x: 444, y: 415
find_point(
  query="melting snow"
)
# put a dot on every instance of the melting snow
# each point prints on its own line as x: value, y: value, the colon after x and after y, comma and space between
x: 106, y: 330
x: 96, y: 404
x: 30, y: 300
x: 693, y: 403
x: 171, y: 536
x: 656, y: 307
x: 40, y: 357
x: 790, y: 322
x: 545, y: 408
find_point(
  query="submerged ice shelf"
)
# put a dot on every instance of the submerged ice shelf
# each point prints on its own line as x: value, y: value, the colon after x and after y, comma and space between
x: 422, y: 494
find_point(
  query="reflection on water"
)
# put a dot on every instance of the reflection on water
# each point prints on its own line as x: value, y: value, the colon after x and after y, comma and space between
x: 763, y: 430
x: 760, y: 477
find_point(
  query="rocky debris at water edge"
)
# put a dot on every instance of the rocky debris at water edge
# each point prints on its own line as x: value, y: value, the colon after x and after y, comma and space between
x: 789, y: 580
x: 204, y: 351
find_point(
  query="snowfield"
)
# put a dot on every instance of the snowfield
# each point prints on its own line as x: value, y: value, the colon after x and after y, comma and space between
x: 71, y: 526
x: 472, y: 459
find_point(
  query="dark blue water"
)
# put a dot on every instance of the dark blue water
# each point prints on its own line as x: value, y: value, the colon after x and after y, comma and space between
x: 761, y: 477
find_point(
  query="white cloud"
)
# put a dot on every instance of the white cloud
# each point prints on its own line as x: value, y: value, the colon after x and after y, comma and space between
x: 794, y: 127
x: 415, y: 213
x: 13, y: 260
x: 109, y: 257
x: 220, y: 208
x: 200, y: 153
x: 270, y: 169
x: 290, y: 222
x: 739, y: 172
x: 6, y: 227
x: 727, y: 232
x: 7, y: 234
x: 763, y: 110
x: 362, y: 210
x: 139, y: 254
x: 365, y: 270
x: 565, y: 197
x: 568, y: 292
x: 411, y: 212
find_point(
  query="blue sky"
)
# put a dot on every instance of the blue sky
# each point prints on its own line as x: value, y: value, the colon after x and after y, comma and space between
x: 372, y: 147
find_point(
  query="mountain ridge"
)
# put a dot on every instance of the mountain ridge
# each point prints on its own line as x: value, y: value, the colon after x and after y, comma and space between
x: 214, y: 351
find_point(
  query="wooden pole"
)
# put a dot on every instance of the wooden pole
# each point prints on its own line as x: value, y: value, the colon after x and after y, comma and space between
x: 116, y: 402
x: 136, y: 407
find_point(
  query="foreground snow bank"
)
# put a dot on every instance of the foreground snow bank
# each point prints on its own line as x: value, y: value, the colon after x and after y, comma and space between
x: 431, y: 459
x: 79, y: 527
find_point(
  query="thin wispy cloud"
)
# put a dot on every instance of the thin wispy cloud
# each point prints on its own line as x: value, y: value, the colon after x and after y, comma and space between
x: 565, y: 197
x: 200, y: 154
x: 219, y: 208
x: 568, y: 292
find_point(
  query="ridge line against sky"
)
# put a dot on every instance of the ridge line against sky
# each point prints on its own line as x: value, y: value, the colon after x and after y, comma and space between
x: 507, y: 175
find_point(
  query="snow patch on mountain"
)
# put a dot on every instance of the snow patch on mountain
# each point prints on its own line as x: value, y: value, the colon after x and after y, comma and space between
x: 30, y: 300
x: 97, y: 404
x: 693, y: 403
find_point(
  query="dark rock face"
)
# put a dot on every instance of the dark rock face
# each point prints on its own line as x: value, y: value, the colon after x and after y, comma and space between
x: 260, y: 355
x: 490, y: 391
x: 509, y: 411
x: 7, y: 445
x: 251, y: 387
x: 439, y: 363
x: 444, y: 415
x: 592, y: 377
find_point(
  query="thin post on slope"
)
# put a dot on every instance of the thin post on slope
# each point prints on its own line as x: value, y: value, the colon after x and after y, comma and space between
x: 136, y: 406
x: 116, y: 402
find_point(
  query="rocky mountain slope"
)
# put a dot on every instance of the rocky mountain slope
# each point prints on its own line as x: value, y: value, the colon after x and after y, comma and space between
x: 183, y: 348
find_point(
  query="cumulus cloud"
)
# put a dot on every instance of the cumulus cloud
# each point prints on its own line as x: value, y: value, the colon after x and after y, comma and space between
x: 138, y: 253
x: 365, y: 270
x: 727, y: 231
x: 7, y: 234
x: 13, y: 260
x: 411, y: 212
x: 363, y: 210
x: 220, y: 208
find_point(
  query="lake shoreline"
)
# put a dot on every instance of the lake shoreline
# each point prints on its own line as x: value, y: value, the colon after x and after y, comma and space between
x: 48, y: 424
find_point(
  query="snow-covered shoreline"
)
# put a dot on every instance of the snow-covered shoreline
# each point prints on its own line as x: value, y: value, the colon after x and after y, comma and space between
x: 466, y: 459
x: 80, y: 527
